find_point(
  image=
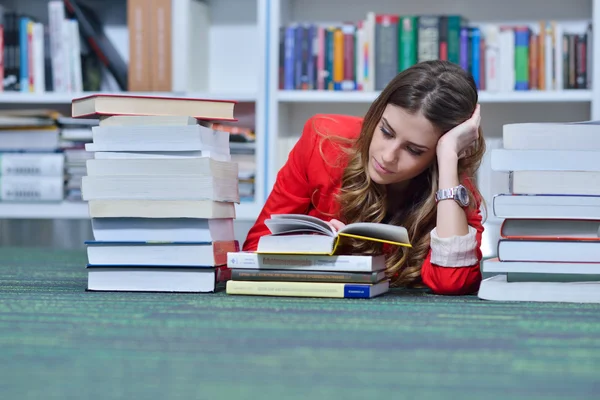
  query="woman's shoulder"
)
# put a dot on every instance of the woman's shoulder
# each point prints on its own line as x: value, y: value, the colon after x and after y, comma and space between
x: 334, y: 125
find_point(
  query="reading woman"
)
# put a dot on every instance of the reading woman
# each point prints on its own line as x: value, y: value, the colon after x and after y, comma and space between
x: 410, y: 161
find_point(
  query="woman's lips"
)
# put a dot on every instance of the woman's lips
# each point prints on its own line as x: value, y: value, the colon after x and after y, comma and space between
x: 380, y: 168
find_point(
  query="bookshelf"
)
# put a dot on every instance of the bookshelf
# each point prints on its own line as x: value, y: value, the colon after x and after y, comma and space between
x: 243, y: 64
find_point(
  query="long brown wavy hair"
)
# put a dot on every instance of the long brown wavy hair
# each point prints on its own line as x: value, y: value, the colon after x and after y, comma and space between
x: 447, y: 96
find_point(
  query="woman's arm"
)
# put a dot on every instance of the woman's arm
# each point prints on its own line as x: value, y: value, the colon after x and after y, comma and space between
x: 452, y: 266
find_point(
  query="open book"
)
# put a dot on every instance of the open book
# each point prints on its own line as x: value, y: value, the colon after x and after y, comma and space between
x: 304, y: 234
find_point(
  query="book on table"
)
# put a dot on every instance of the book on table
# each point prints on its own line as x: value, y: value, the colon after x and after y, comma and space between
x: 304, y: 234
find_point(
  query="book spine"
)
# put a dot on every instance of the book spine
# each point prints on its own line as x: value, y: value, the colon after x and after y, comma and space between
x: 407, y: 42
x: 161, y: 76
x: 476, y: 56
x: 303, y: 276
x: 18, y: 164
x: 27, y: 188
x: 522, y: 58
x: 443, y: 38
x: 349, y: 56
x: 428, y: 38
x: 138, y: 24
x: 455, y: 23
x: 289, y: 66
x: 298, y: 289
x: 386, y: 42
x: 24, y: 54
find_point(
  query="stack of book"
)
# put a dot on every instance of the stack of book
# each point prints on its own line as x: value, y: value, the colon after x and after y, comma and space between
x: 300, y: 258
x: 549, y: 247
x: 161, y: 191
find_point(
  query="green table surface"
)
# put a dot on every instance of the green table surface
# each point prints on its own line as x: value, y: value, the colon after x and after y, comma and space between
x: 58, y: 341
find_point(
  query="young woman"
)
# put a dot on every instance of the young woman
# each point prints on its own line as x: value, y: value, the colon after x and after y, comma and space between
x: 410, y: 162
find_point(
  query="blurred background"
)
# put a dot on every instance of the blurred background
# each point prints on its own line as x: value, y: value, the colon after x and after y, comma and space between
x: 283, y: 61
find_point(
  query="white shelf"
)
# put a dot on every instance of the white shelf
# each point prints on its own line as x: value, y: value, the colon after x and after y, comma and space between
x: 326, y: 96
x: 64, y: 210
x: 79, y: 210
x: 66, y: 98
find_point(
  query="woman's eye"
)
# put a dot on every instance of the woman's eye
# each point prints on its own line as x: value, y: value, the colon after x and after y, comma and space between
x: 385, y: 132
x: 414, y: 151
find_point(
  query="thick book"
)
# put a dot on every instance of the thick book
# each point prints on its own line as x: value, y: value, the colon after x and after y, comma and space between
x: 97, y: 105
x: 550, y: 229
x: 131, y: 229
x: 497, y: 288
x: 144, y: 208
x: 176, y: 254
x: 306, y: 262
x: 154, y: 279
x: 307, y: 289
x: 278, y: 275
x: 304, y: 234
x: 546, y: 206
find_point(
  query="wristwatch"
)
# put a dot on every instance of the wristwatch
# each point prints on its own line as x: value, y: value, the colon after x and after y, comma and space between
x: 458, y: 193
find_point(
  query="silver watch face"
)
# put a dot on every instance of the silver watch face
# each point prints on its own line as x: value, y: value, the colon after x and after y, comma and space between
x: 462, y: 195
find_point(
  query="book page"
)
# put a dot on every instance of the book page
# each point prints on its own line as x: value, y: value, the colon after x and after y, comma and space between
x: 385, y: 232
x: 298, y: 222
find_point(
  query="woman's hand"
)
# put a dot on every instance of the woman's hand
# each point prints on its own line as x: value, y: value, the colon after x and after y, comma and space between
x: 458, y: 141
x: 336, y: 225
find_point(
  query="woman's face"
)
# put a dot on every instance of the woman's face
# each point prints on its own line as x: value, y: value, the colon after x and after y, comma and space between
x: 402, y: 147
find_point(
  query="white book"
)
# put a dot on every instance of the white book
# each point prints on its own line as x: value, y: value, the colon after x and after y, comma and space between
x: 157, y: 138
x: 533, y: 267
x: 159, y: 254
x: 180, y: 166
x: 497, y: 288
x: 145, y: 120
x: 161, y: 209
x: 139, y: 279
x: 133, y: 229
x: 545, y: 160
x: 581, y: 135
x: 162, y: 187
x: 339, y: 263
x: 116, y: 155
x: 584, y: 251
x: 546, y: 206
x: 555, y: 182
x: 32, y: 164
x: 31, y: 188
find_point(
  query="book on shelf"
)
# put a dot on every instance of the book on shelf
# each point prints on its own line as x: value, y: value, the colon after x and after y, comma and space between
x: 298, y: 233
x: 501, y: 57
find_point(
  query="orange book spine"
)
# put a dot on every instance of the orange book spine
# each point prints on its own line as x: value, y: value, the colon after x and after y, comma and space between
x: 542, y: 56
x: 161, y: 46
x: 338, y: 56
x: 139, y: 27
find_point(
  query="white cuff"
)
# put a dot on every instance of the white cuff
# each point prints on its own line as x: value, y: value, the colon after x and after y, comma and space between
x: 454, y: 251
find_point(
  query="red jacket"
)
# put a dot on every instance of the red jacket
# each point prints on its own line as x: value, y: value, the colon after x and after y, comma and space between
x: 308, y: 182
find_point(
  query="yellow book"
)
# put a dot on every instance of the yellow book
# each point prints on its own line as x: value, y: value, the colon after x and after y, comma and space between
x: 307, y: 289
x: 304, y: 234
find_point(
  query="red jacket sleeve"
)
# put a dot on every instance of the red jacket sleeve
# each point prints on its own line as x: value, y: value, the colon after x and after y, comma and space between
x: 291, y: 192
x: 460, y: 280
